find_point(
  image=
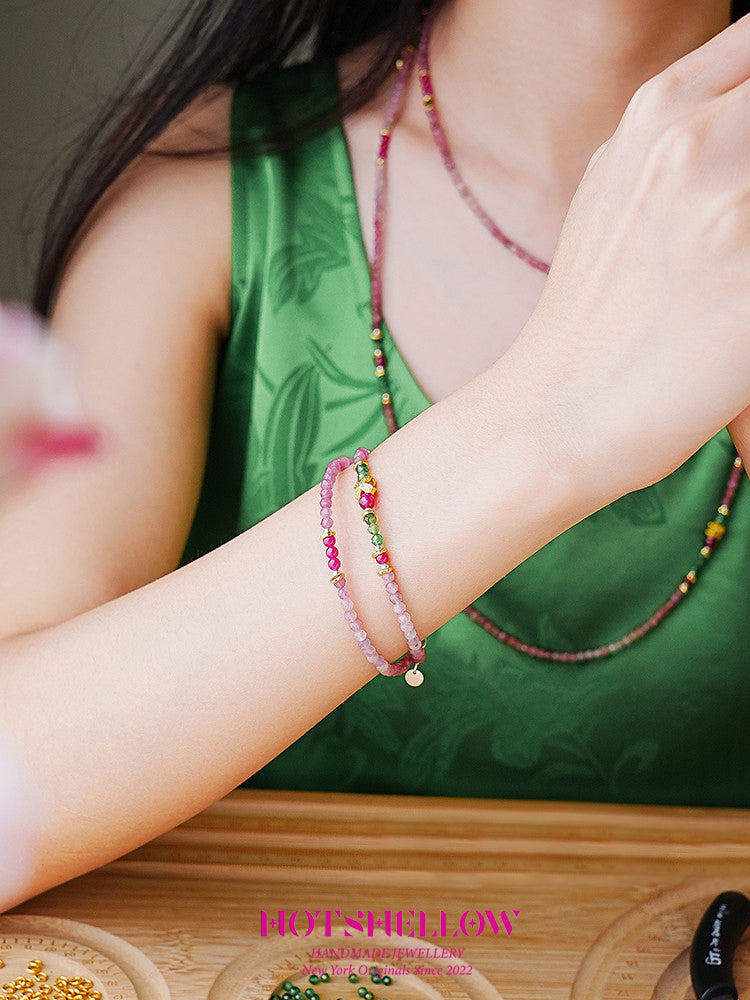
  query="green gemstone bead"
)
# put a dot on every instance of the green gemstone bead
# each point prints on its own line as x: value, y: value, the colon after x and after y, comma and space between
x: 372, y: 527
x: 353, y: 977
x: 375, y: 978
x: 362, y: 991
x: 386, y: 980
x: 362, y: 470
x: 325, y: 978
x: 314, y: 980
x: 309, y: 992
x: 287, y: 996
x: 370, y: 517
x: 275, y: 996
x: 288, y: 986
x: 369, y: 996
x: 377, y: 540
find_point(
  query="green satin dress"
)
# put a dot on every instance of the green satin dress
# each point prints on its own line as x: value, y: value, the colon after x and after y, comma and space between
x: 665, y: 721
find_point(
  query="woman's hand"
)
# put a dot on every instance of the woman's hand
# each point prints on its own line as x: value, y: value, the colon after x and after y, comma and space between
x: 40, y: 413
x: 643, y: 330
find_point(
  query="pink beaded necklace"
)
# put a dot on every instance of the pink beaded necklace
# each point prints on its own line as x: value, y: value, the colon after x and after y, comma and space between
x: 716, y: 527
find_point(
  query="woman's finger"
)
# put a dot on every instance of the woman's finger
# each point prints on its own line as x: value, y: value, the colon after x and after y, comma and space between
x: 719, y: 65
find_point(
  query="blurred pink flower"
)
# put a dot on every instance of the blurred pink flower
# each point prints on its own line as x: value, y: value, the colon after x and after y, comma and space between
x: 41, y: 417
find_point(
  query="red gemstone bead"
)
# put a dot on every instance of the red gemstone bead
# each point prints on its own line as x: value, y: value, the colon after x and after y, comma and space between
x: 334, y: 564
x: 366, y: 501
x: 382, y: 558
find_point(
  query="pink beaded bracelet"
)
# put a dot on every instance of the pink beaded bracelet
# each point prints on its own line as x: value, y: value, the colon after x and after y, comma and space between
x: 366, y: 489
x: 414, y: 677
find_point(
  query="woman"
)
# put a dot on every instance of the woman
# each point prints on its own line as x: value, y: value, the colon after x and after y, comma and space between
x: 631, y: 357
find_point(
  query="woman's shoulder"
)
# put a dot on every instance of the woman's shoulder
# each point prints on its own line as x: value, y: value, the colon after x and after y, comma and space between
x: 169, y: 209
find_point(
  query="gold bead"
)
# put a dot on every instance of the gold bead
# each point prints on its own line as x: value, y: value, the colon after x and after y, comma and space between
x: 334, y: 579
x: 386, y: 569
x: 691, y: 576
x: 715, y: 530
x: 423, y: 73
x: 427, y: 101
x: 380, y: 371
x: 377, y: 334
x: 399, y: 63
x: 385, y: 399
x: 385, y: 132
x: 738, y: 462
x: 724, y: 510
x: 705, y: 552
x: 684, y: 587
x: 377, y: 354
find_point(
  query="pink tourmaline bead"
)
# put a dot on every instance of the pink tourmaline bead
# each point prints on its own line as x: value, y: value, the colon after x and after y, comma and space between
x: 327, y: 522
x: 361, y: 454
x: 366, y: 501
x: 351, y: 615
x: 395, y: 597
x: 360, y: 636
x: 391, y: 588
x: 399, y: 608
x: 418, y: 655
x: 380, y: 662
x: 356, y: 625
x: 334, y: 564
x: 389, y: 577
x: 404, y: 618
x: 340, y: 585
x: 332, y: 551
x: 329, y: 540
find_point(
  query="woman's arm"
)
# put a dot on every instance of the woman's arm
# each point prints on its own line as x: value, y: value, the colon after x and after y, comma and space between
x: 154, y: 692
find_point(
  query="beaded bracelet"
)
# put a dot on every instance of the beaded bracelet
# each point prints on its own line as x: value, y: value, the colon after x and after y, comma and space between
x: 365, y: 490
x: 415, y: 676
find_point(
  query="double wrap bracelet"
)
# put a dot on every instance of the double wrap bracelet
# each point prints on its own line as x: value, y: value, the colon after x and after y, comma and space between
x: 366, y: 492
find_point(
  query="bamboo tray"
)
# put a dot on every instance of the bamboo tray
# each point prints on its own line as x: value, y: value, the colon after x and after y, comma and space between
x: 589, y: 902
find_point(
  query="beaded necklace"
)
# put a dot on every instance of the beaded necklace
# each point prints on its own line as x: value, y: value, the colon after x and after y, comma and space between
x: 716, y: 527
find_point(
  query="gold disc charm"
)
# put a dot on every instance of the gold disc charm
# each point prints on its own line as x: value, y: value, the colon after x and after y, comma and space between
x: 414, y: 677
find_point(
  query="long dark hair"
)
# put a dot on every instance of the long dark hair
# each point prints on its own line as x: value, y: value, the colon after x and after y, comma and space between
x: 219, y: 41
x: 210, y: 42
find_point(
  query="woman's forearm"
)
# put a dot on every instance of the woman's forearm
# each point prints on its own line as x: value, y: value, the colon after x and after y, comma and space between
x: 150, y: 707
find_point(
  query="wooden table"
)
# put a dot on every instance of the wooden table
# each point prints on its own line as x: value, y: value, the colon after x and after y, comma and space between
x: 607, y: 898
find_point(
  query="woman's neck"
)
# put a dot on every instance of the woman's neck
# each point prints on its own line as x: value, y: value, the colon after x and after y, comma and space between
x: 545, y: 83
